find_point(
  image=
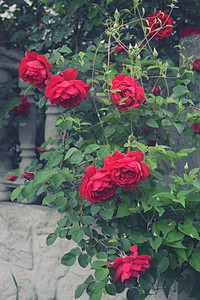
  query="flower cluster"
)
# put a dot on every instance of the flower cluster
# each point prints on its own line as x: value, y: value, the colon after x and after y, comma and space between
x: 159, y: 25
x: 118, y: 170
x: 125, y: 92
x: 130, y: 266
x: 22, y: 109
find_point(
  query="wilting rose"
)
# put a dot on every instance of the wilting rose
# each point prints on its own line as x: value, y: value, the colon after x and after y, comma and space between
x: 119, y: 49
x: 130, y: 266
x: 97, y: 185
x: 34, y: 69
x: 22, y: 109
x: 40, y: 149
x: 129, y: 95
x: 189, y: 30
x: 65, y: 90
x: 196, y: 65
x: 159, y: 25
x: 196, y: 127
x: 126, y: 170
x: 28, y: 175
x: 12, y: 177
x: 157, y: 91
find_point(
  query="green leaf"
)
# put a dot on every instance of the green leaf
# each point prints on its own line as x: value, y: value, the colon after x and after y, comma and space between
x: 76, y: 3
x: 110, y: 289
x: 91, y: 148
x: 61, y: 202
x: 101, y: 274
x: 146, y: 281
x: 70, y: 152
x: 189, y: 229
x: 92, y: 13
x: 174, y: 236
x: 15, y: 193
x: 49, y: 199
x: 87, y: 220
x: 65, y: 49
x: 179, y: 90
x: 107, y: 213
x: 195, y: 259
x: 83, y: 260
x: 57, y: 180
x: 94, y: 208
x: 76, y: 251
x: 152, y: 123
x: 123, y: 210
x: 101, y: 255
x: 125, y: 244
x: 68, y: 259
x: 155, y: 244
x: 76, y: 158
x: 163, y: 264
x: 51, y: 238
x: 79, y: 290
x: 77, y: 235
x: 97, y: 264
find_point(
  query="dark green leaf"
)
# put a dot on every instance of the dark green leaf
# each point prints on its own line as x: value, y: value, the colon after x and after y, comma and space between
x: 101, y: 274
x: 83, y: 260
x: 68, y: 259
x: 79, y: 290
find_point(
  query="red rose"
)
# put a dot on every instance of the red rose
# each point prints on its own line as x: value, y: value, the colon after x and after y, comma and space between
x: 196, y: 65
x: 157, y: 91
x: 12, y: 177
x: 40, y: 149
x: 126, y: 170
x: 130, y: 266
x: 151, y: 143
x: 196, y: 127
x: 28, y: 175
x: 97, y: 185
x: 65, y: 90
x: 119, y: 49
x: 34, y: 69
x: 21, y: 109
x: 130, y: 94
x: 159, y: 25
x: 189, y: 30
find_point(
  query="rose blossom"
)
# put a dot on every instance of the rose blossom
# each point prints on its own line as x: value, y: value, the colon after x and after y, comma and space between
x: 97, y: 185
x: 130, y: 94
x: 34, y: 69
x: 21, y: 109
x: 12, y: 177
x: 157, y: 91
x: 196, y: 127
x: 196, y: 65
x: 160, y: 25
x: 119, y: 49
x: 189, y: 30
x: 126, y: 170
x: 28, y: 175
x: 65, y: 90
x: 130, y: 266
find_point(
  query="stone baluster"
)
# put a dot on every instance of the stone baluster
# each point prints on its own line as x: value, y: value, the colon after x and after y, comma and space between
x: 52, y: 114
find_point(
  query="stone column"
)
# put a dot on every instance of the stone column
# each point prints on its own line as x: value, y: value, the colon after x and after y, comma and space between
x: 27, y: 133
x: 5, y: 154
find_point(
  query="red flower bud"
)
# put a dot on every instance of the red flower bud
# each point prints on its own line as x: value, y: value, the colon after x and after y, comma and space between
x: 12, y: 177
x: 196, y: 65
x: 28, y: 175
x: 196, y: 127
x: 157, y: 91
x: 40, y: 149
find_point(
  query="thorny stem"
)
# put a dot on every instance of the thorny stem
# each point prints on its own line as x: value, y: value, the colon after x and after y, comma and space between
x: 107, y: 247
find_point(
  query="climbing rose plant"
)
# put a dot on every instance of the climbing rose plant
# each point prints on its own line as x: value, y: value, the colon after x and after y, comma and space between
x: 115, y: 177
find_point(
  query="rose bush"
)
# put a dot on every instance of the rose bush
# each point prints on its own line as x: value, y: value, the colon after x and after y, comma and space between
x: 115, y: 176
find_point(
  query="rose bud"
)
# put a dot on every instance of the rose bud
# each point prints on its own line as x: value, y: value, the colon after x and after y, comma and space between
x: 196, y: 127
x: 28, y: 175
x: 12, y: 177
x: 40, y: 149
x: 157, y: 91
x: 196, y: 65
